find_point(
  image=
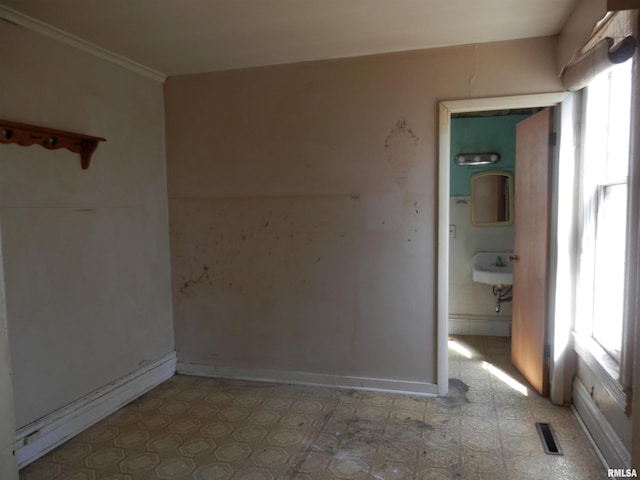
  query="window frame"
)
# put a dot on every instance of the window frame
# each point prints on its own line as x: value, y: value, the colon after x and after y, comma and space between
x: 614, y: 372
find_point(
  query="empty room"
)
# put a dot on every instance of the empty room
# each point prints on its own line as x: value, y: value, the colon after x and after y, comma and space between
x: 284, y: 239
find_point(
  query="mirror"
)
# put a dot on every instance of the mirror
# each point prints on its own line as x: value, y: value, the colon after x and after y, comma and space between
x: 491, y: 198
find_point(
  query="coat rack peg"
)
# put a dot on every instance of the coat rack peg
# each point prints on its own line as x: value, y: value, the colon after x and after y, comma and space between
x: 25, y: 135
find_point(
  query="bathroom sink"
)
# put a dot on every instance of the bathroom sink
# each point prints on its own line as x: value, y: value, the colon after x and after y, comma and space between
x: 493, y: 268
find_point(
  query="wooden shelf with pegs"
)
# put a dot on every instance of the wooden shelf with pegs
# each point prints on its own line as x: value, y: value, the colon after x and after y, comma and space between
x: 25, y: 135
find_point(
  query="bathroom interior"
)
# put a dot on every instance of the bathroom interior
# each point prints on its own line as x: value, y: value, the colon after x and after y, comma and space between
x: 483, y: 146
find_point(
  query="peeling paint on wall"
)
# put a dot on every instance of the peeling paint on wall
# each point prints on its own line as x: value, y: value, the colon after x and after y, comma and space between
x: 401, y: 146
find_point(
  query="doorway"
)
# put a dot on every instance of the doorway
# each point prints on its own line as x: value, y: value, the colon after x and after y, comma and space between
x: 447, y: 110
x: 481, y: 219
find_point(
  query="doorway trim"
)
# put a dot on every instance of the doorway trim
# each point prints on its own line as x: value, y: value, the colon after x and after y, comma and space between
x: 446, y: 109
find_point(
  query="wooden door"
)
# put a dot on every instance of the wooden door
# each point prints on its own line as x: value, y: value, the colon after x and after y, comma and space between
x: 531, y: 250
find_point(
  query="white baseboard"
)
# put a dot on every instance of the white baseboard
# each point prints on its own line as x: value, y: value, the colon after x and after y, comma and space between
x: 43, y: 435
x: 314, y: 379
x: 610, y: 448
x: 480, y: 325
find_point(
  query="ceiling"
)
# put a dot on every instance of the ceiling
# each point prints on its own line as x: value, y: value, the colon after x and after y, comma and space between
x: 175, y: 37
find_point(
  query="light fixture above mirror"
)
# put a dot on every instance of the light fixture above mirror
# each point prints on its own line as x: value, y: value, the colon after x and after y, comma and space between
x: 477, y: 158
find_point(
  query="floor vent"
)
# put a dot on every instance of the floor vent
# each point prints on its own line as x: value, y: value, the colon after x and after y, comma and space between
x: 548, y: 438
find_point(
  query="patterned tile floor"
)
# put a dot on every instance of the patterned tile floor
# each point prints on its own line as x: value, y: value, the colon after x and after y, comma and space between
x: 207, y: 429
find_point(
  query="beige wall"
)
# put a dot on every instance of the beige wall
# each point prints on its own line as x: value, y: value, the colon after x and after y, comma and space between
x: 85, y: 252
x: 8, y: 465
x: 303, y: 206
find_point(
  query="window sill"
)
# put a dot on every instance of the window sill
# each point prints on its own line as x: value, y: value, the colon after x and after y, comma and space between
x: 606, y: 370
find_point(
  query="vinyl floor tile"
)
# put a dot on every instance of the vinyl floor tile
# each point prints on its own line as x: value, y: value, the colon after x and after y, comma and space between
x: 196, y: 428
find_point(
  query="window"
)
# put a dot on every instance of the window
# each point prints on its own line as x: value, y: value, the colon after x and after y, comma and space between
x: 604, y: 199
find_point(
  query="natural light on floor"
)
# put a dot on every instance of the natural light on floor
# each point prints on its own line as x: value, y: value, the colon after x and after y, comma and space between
x: 506, y: 378
x: 455, y: 346
x: 493, y: 370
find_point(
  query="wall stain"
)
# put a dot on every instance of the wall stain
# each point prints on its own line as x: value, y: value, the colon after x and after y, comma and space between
x: 400, y: 146
x: 399, y: 131
x: 203, y: 277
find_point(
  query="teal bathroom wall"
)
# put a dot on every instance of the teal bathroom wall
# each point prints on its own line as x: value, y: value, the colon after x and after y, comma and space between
x: 477, y: 135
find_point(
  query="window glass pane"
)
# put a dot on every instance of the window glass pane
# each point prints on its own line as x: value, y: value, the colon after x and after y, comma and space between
x: 609, y: 269
x: 619, y: 122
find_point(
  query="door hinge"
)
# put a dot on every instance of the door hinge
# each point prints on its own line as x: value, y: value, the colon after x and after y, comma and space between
x: 553, y: 139
x: 547, y: 351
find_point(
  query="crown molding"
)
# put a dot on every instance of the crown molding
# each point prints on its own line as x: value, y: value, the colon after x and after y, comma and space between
x: 18, y: 18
